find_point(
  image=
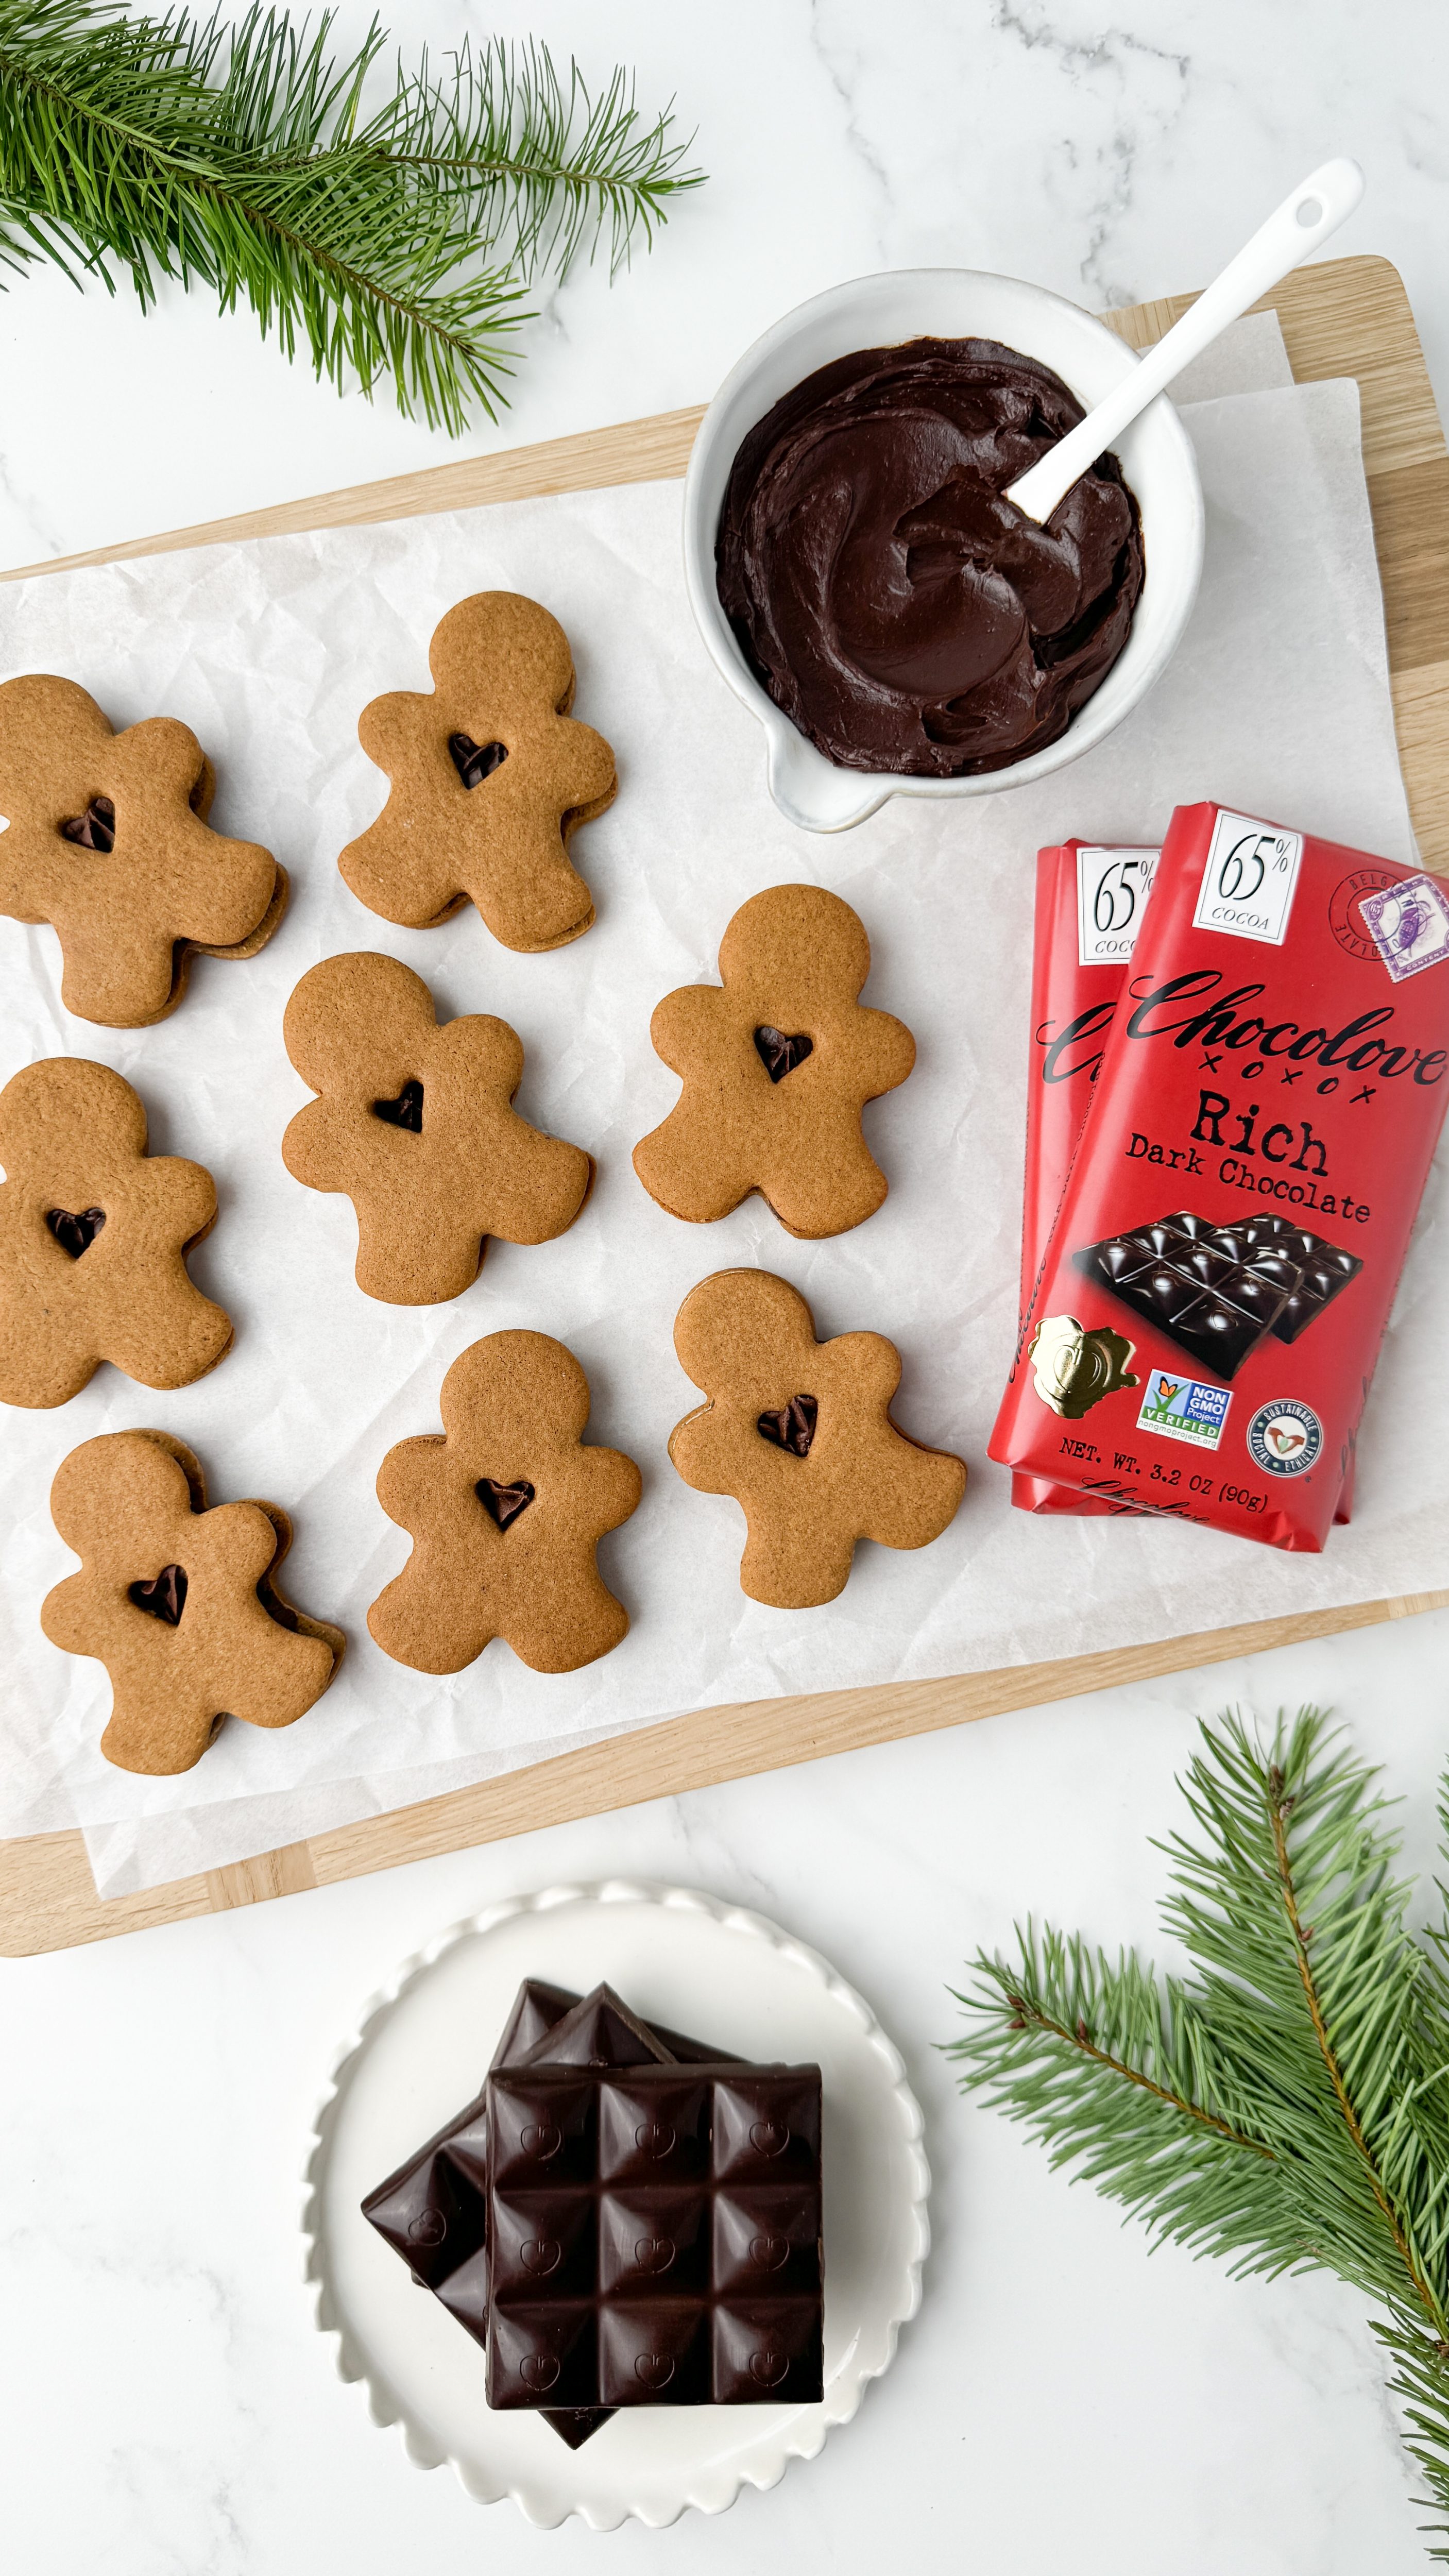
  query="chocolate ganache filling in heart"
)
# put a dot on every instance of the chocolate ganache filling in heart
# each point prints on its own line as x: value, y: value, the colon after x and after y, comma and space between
x: 903, y: 614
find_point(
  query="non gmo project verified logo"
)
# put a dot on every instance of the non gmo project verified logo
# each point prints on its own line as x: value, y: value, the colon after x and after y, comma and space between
x: 1182, y: 1408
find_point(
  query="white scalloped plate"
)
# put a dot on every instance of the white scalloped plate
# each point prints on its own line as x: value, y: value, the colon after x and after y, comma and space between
x: 681, y: 1958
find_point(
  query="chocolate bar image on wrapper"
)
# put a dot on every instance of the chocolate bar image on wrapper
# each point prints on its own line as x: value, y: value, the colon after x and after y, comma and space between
x: 624, y: 2216
x: 1216, y: 1290
x: 1276, y: 1062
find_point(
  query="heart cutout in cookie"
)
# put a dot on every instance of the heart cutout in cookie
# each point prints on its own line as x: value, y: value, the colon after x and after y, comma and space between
x: 541, y: 2139
x: 654, y: 2138
x: 75, y: 1230
x: 769, y: 2137
x: 767, y: 2369
x: 502, y: 1503
x: 406, y: 1111
x: 475, y: 761
x: 779, y: 1053
x: 95, y: 829
x: 653, y: 2253
x: 538, y: 2371
x: 793, y: 1427
x: 767, y: 2253
x: 164, y: 1595
x: 655, y: 2369
x: 540, y: 2255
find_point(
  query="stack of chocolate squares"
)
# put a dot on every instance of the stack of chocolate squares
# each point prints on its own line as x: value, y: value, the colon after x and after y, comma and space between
x: 624, y: 2216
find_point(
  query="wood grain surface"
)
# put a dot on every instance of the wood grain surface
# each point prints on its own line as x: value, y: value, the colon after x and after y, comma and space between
x: 1343, y: 317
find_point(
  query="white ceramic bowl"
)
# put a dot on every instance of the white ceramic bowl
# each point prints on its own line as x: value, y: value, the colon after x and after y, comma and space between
x: 953, y: 304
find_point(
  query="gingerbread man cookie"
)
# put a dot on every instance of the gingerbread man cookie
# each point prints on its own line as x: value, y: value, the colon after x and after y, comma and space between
x: 800, y: 1433
x: 414, y: 1125
x: 490, y: 777
x: 505, y: 1513
x: 108, y: 841
x: 179, y: 1603
x: 94, y: 1234
x: 778, y: 1060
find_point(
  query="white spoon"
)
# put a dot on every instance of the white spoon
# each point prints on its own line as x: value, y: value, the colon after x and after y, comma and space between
x: 1313, y: 211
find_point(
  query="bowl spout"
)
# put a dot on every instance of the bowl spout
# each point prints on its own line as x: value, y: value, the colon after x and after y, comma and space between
x: 809, y: 789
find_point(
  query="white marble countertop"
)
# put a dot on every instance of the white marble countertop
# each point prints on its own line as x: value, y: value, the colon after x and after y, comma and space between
x: 1062, y: 2400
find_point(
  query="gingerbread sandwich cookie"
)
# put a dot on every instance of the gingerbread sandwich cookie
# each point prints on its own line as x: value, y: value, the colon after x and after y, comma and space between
x: 414, y: 1125
x: 94, y: 1234
x: 490, y: 779
x: 505, y: 1512
x: 178, y: 1602
x: 778, y: 1060
x: 800, y: 1432
x: 108, y: 841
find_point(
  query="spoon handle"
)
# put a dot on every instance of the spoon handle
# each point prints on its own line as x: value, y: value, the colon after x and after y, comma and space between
x: 1315, y: 209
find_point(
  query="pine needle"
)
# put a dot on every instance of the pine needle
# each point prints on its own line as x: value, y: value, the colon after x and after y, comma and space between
x: 395, y: 244
x: 1286, y: 2107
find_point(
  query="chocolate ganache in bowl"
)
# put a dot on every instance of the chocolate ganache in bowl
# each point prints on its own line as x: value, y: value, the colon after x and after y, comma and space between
x: 903, y: 614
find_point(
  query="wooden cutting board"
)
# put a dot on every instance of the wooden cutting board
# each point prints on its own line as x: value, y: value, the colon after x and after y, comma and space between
x: 1348, y: 317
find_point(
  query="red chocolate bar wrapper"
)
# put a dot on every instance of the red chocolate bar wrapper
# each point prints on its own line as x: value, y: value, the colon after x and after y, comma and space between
x: 1205, y: 1326
x: 1090, y: 900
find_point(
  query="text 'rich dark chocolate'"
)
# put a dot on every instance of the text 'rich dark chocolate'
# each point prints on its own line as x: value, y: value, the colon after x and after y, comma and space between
x: 1219, y: 1290
x: 406, y: 1111
x: 95, y: 829
x: 793, y: 1427
x: 75, y: 1230
x: 779, y: 1053
x: 475, y: 761
x: 503, y: 1503
x: 164, y: 1595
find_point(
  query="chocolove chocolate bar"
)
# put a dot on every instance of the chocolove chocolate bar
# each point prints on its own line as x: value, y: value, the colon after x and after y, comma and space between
x: 1273, y: 1080
x: 1089, y: 903
x: 624, y: 2217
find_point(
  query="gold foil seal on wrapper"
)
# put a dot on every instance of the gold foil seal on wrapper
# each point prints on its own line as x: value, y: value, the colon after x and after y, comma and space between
x: 1073, y: 1369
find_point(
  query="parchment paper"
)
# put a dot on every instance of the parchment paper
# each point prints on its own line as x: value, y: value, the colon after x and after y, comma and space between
x: 1277, y: 702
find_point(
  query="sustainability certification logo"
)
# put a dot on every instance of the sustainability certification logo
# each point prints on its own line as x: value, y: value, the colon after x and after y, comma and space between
x: 1184, y: 1408
x: 1285, y: 1438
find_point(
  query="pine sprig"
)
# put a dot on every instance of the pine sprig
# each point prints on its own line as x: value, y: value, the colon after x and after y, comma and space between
x: 1286, y: 2107
x: 241, y: 158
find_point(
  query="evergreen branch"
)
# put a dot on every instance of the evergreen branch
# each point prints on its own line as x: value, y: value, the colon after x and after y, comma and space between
x: 239, y: 158
x: 1325, y: 2008
x: 1420, y: 2381
x: 1289, y: 2105
x: 544, y: 170
x: 1119, y: 2076
x: 1279, y: 1806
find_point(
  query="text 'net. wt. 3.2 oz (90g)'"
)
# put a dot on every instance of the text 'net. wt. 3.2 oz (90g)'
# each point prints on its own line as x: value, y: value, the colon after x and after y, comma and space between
x: 1204, y: 1324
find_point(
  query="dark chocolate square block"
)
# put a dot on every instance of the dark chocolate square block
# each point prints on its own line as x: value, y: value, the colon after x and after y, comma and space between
x: 433, y: 2210
x: 543, y: 2355
x: 654, y: 2352
x: 767, y: 2125
x: 653, y: 2238
x: 1217, y: 1291
x: 767, y: 2348
x: 706, y: 2208
x: 766, y: 2238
